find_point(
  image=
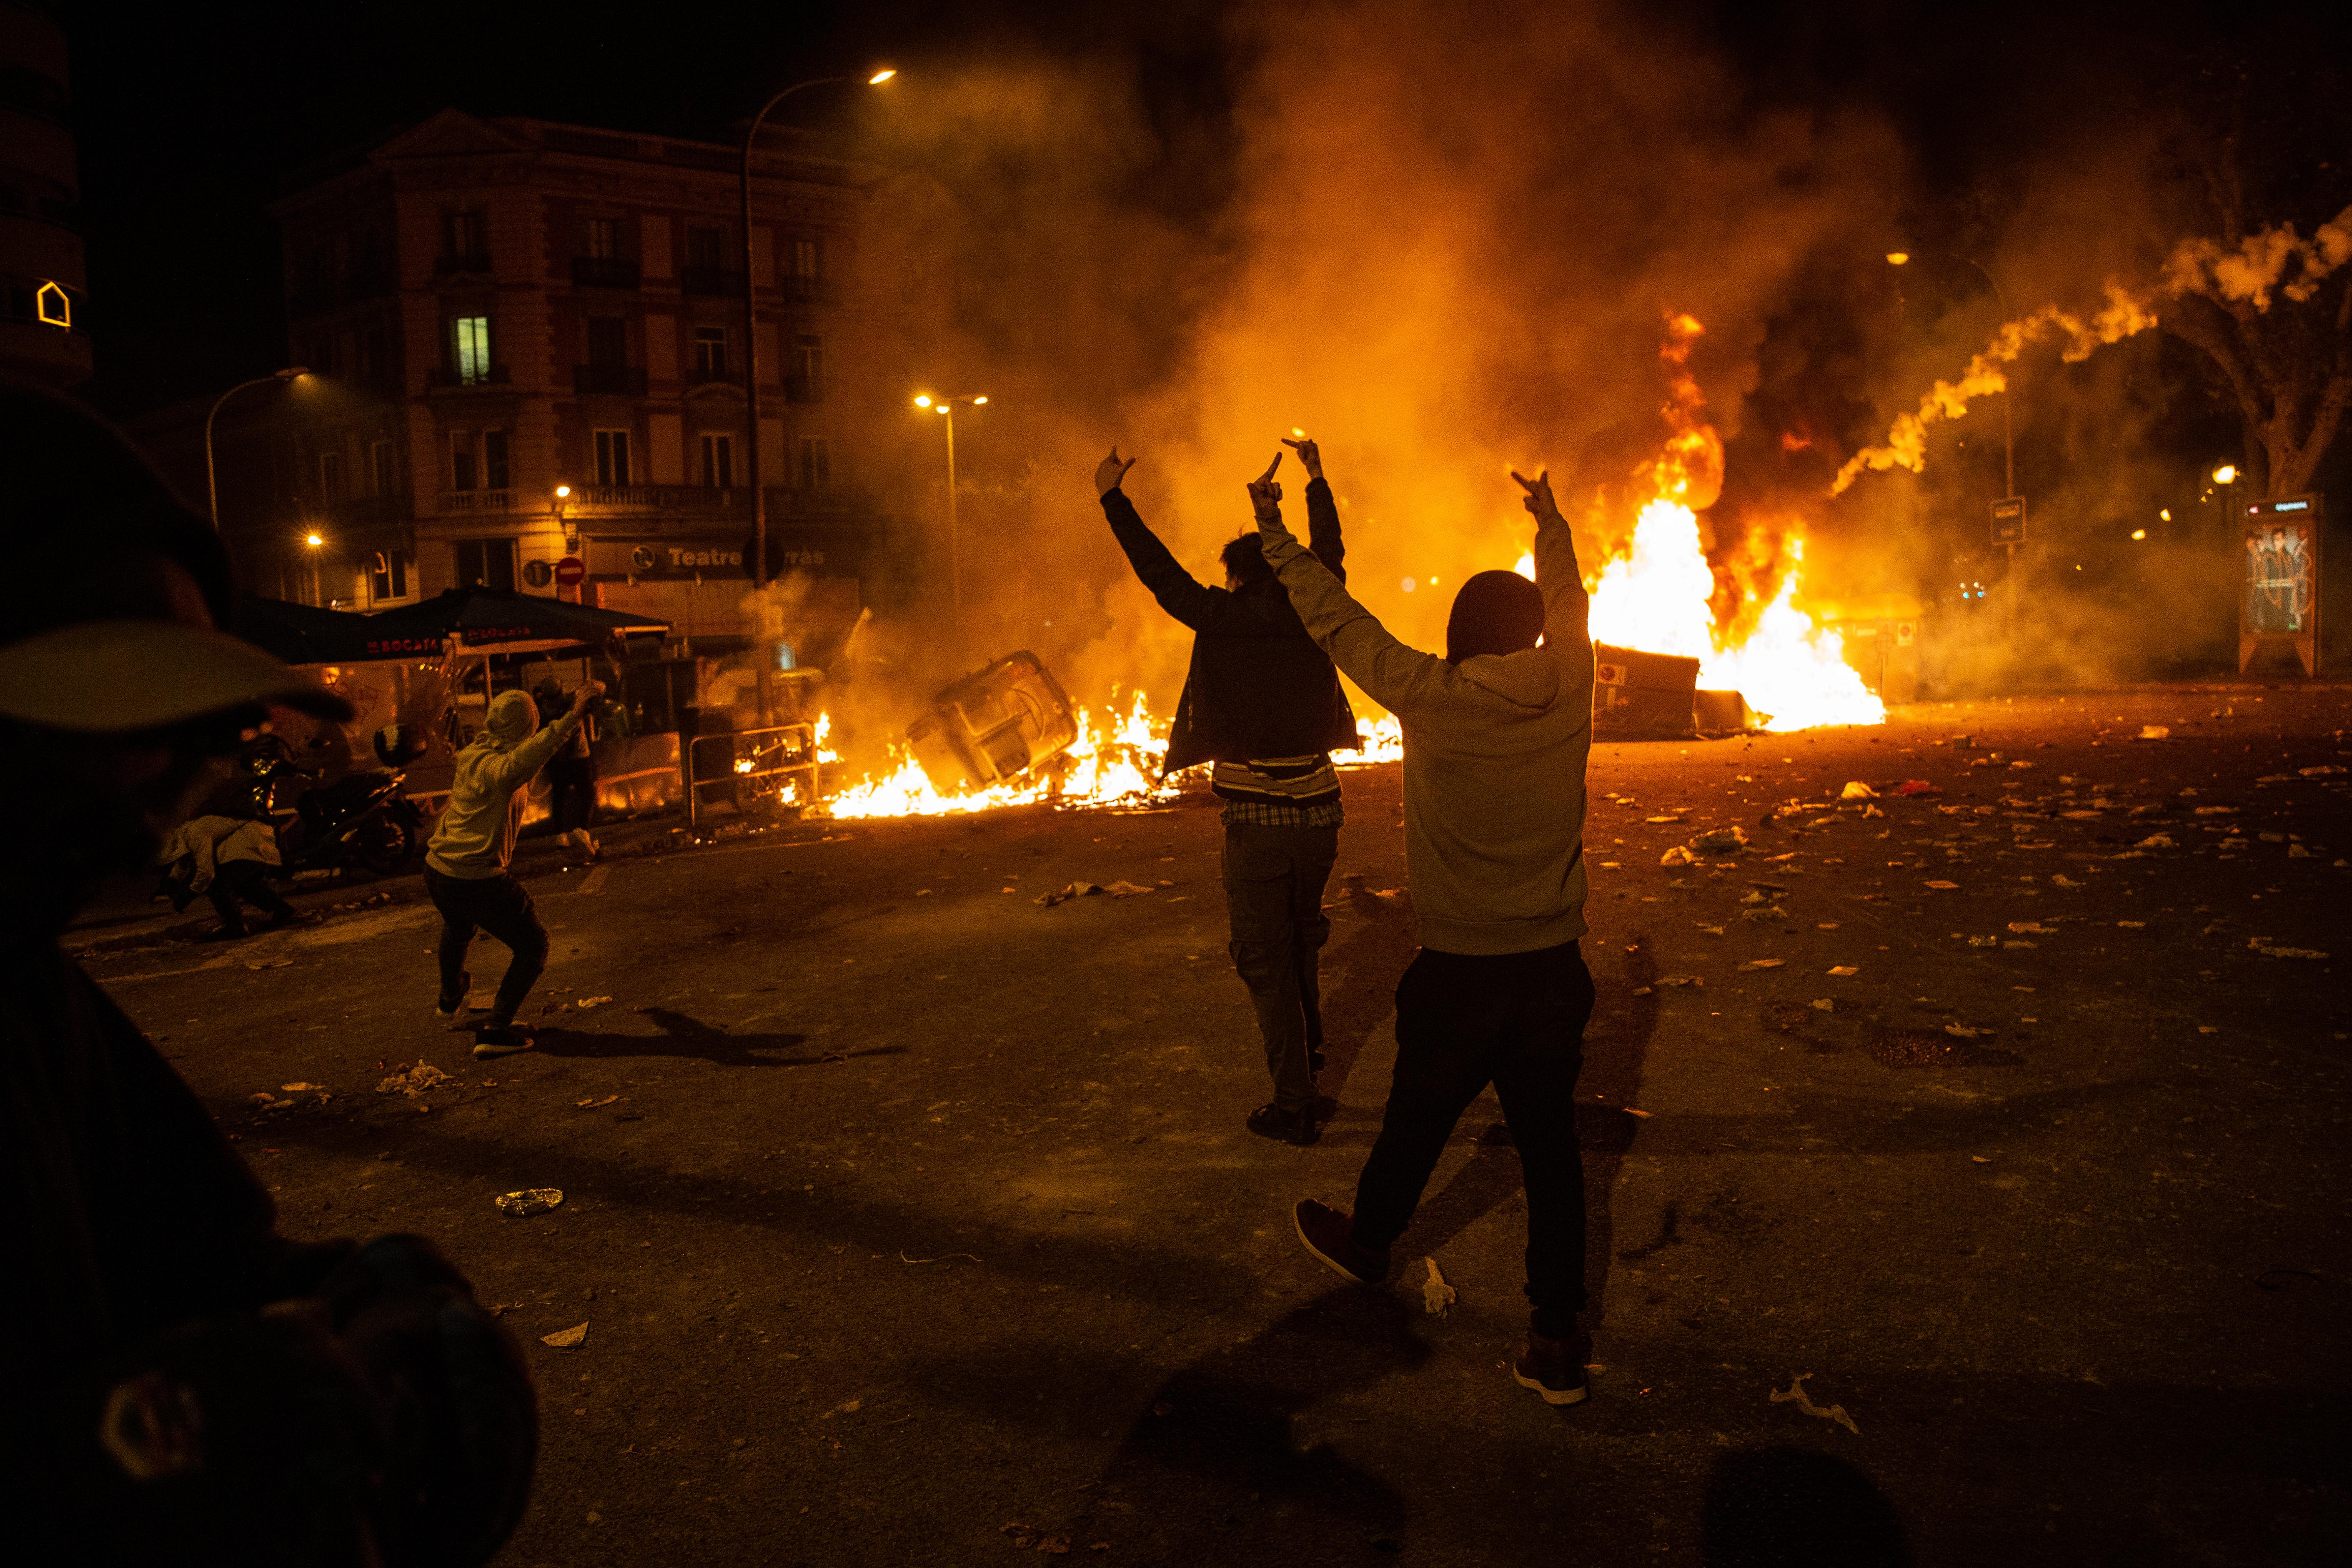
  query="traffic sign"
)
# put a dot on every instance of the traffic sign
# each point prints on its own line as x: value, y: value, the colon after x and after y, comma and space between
x: 570, y: 571
x: 2009, y: 521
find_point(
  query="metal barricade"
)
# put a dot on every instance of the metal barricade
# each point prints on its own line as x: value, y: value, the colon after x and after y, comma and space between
x: 776, y: 752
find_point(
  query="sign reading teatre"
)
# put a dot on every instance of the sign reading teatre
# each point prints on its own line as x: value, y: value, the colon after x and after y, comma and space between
x: 667, y: 558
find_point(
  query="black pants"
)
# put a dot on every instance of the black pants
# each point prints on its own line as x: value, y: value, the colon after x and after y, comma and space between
x: 1274, y: 879
x: 571, y: 784
x: 1517, y: 1021
x: 235, y: 880
x: 501, y: 906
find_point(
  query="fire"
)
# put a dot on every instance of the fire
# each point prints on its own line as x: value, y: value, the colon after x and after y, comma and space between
x: 1115, y: 762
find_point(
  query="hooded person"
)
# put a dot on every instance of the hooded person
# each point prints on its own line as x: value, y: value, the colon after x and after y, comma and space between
x: 179, y: 1382
x: 468, y: 858
x: 1263, y: 704
x: 1496, y: 738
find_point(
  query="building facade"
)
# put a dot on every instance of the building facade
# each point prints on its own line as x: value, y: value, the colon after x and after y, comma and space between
x: 42, y: 277
x: 526, y: 346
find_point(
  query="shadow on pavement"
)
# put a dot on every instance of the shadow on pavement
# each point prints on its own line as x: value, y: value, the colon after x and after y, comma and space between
x: 1786, y: 1507
x: 683, y: 1037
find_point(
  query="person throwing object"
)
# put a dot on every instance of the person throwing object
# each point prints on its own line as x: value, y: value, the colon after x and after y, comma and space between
x: 1496, y: 737
x: 466, y: 862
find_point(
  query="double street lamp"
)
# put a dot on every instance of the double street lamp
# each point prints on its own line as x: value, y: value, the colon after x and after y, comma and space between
x: 752, y: 328
x: 212, y: 485
x: 945, y: 409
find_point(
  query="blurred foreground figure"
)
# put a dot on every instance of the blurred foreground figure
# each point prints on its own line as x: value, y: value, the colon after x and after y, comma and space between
x: 1496, y: 735
x: 178, y: 1382
x: 1263, y: 704
x: 570, y: 777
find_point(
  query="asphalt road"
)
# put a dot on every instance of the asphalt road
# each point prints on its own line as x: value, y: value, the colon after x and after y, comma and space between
x: 912, y: 1222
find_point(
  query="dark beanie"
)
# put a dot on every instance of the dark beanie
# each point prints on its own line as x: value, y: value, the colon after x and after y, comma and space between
x: 1496, y: 612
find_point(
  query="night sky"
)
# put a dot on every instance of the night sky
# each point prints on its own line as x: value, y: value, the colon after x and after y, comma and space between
x: 191, y: 122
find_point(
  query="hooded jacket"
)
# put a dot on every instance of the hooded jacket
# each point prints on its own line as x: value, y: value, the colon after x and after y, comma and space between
x: 476, y: 835
x: 1495, y: 750
x: 1257, y: 686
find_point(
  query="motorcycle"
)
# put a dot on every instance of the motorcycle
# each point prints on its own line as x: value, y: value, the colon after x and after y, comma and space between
x: 360, y: 821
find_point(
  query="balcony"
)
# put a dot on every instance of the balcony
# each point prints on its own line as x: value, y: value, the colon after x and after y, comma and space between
x: 837, y: 504
x: 719, y: 374
x: 603, y: 272
x: 477, y: 262
x: 476, y: 501
x: 618, y: 380
x: 710, y: 280
x: 799, y: 290
x: 446, y: 380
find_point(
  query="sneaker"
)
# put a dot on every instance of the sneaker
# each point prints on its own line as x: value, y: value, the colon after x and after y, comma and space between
x: 1288, y: 1126
x: 1315, y: 1060
x: 500, y: 1041
x: 450, y: 1012
x: 1553, y: 1368
x: 1324, y: 1108
x: 1330, y: 1237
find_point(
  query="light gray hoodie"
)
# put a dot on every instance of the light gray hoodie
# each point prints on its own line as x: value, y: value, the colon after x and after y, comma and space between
x: 1494, y: 753
x: 476, y: 835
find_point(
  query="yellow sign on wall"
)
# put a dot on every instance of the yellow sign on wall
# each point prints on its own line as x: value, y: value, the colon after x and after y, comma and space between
x: 54, y: 306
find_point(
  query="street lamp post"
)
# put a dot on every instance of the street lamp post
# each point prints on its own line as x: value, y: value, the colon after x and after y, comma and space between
x: 945, y: 407
x: 211, y: 486
x: 751, y: 332
x: 2001, y: 301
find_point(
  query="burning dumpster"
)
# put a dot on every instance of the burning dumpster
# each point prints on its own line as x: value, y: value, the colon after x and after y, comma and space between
x: 993, y: 726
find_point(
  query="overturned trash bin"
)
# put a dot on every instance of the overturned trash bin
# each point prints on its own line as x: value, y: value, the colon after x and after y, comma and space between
x: 993, y: 726
x: 1638, y: 694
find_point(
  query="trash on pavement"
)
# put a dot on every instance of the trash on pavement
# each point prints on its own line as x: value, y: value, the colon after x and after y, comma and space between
x: 413, y: 1082
x: 598, y: 1104
x: 1943, y: 887
x: 1677, y: 855
x: 587, y: 1002
x: 2324, y: 769
x: 1436, y: 1295
x: 564, y: 1339
x: 2215, y: 810
x: 2261, y: 945
x: 2297, y: 852
x: 1728, y: 840
x: 530, y: 1201
x: 2066, y: 881
x: 1796, y: 1391
x: 1857, y: 789
x: 1910, y: 787
x: 1764, y: 963
x: 2035, y: 928
x: 1121, y: 890
x: 2155, y: 732
x: 2133, y: 925
x: 302, y: 1087
x: 1125, y: 889
x: 1675, y: 980
x: 2155, y: 841
x: 1843, y: 970
x: 1824, y: 1004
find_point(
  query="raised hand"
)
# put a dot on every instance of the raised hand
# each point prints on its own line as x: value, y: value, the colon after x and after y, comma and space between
x: 1311, y: 456
x: 1266, y: 495
x: 1538, y: 502
x: 1110, y: 471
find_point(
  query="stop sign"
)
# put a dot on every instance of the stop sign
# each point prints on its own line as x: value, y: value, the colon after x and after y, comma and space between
x: 570, y: 571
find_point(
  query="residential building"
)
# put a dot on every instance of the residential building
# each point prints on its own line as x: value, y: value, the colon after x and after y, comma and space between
x: 42, y: 282
x: 528, y: 340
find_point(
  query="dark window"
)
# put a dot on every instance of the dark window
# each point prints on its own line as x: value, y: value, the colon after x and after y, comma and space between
x: 608, y: 340
x: 371, y: 365
x: 599, y: 238
x: 486, y: 563
x: 463, y: 473
x: 719, y: 461
x: 612, y: 458
x: 464, y: 236
x: 806, y: 259
x: 381, y: 480
x: 330, y: 475
x: 804, y: 378
x: 494, y: 459
x: 711, y: 354
x: 816, y: 462
x: 388, y: 578
x: 706, y: 247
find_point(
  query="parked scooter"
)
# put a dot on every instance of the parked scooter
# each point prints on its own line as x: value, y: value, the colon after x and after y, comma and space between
x: 360, y: 821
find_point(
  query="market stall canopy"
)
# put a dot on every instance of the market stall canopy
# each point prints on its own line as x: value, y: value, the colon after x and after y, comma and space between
x: 486, y: 618
x: 302, y: 634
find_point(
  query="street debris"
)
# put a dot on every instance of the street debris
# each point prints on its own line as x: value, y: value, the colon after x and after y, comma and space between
x: 302, y: 1087
x: 587, y: 1002
x: 530, y: 1201
x: 1796, y: 1391
x: 1824, y: 1004
x: 596, y: 1104
x: 2321, y: 771
x: 1909, y: 788
x: 2155, y: 732
x: 1728, y: 840
x: 2066, y: 881
x: 1436, y: 1296
x: 1843, y: 970
x: 1764, y: 963
x: 413, y: 1082
x: 2133, y: 925
x: 2262, y: 944
x: 2035, y: 928
x: 1917, y: 1048
x: 1857, y: 789
x: 271, y: 963
x: 2156, y: 841
x: 1121, y: 890
x: 1029, y: 1538
x: 1674, y: 980
x: 564, y: 1339
x: 1678, y: 856
x: 1943, y: 887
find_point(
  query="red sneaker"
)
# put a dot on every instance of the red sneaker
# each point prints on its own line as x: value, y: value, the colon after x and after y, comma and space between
x: 1329, y: 1236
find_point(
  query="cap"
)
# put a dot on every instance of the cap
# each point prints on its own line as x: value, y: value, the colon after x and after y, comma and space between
x: 113, y: 588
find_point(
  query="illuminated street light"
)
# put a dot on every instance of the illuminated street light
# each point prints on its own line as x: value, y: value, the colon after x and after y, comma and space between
x: 2008, y: 403
x: 879, y: 75
x: 2227, y: 474
x: 2165, y: 516
x: 212, y: 488
x: 1897, y: 258
x: 313, y: 541
x: 2139, y: 533
x: 924, y: 401
x: 563, y: 492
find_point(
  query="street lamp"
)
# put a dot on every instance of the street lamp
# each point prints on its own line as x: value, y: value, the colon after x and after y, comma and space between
x: 2227, y: 474
x: 2008, y: 413
x: 751, y: 337
x: 945, y: 409
x: 211, y: 488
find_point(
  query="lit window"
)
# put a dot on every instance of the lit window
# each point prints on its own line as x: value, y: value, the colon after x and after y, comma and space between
x: 473, y: 350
